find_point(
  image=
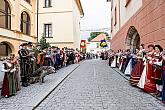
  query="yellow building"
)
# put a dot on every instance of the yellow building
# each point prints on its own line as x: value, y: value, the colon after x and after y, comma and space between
x: 59, y: 22
x: 17, y: 24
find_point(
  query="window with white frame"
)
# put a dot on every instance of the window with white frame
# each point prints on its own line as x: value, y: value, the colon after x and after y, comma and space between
x: 48, y: 30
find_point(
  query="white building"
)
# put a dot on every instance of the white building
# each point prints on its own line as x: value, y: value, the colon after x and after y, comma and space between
x: 59, y: 22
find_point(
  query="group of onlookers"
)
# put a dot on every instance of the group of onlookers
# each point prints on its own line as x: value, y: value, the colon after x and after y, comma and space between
x: 91, y: 56
x: 18, y: 70
x: 145, y: 68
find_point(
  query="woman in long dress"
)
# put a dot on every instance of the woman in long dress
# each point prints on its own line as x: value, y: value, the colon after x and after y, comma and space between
x: 8, y: 86
x: 129, y: 65
x: 149, y: 85
x: 146, y: 82
x: 123, y: 61
x: 113, y: 64
x: 76, y: 57
x: 15, y: 64
x: 138, y: 68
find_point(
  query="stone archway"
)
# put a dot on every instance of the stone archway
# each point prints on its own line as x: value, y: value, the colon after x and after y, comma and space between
x: 132, y: 39
x: 6, y: 48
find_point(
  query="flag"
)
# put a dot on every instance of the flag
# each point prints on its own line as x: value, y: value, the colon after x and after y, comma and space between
x: 83, y: 44
x: 103, y: 43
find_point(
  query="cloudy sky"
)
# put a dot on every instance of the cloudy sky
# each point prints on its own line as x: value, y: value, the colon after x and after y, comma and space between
x: 97, y: 16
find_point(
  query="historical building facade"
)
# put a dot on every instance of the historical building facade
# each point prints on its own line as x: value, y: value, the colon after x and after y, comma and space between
x: 135, y: 22
x: 59, y: 22
x: 17, y: 24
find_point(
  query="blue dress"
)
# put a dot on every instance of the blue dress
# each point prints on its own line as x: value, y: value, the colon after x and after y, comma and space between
x: 163, y: 75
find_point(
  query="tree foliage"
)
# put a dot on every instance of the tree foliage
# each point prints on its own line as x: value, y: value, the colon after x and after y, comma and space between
x: 44, y: 43
x: 95, y: 34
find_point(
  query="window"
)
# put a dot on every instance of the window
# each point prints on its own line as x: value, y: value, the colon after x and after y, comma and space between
x: 47, y: 3
x: 25, y: 23
x: 28, y: 1
x: 111, y: 5
x: 48, y: 30
x: 5, y: 15
x: 127, y: 2
x: 115, y: 17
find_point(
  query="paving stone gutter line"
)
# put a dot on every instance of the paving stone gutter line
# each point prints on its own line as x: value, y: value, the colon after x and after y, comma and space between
x: 127, y: 78
x: 55, y: 87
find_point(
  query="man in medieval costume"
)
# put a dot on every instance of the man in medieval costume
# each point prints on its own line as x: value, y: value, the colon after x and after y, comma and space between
x: 24, y: 66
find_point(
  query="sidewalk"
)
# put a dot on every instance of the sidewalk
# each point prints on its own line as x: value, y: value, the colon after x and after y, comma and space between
x: 29, y: 97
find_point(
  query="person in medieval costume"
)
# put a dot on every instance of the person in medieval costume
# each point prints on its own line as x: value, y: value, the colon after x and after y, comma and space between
x: 138, y: 68
x: 24, y: 64
x: 128, y: 69
x: 65, y: 57
x: 15, y: 64
x: 32, y: 59
x: 113, y: 60
x: 163, y: 77
x: 37, y: 51
x: 57, y: 63
x: 41, y: 58
x: 76, y: 57
x: 157, y: 70
x: 149, y: 83
x: 8, y: 85
x: 51, y: 53
x: 54, y: 56
x: 48, y: 59
x: 62, y: 57
x: 124, y: 59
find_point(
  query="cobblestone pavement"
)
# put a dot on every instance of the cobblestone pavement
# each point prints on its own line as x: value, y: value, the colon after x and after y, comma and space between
x: 95, y: 86
x: 30, y: 96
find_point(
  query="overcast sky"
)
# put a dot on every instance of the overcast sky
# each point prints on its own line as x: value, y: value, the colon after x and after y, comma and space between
x: 96, y: 16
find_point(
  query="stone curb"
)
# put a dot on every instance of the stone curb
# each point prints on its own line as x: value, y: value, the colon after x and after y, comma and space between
x: 41, y: 99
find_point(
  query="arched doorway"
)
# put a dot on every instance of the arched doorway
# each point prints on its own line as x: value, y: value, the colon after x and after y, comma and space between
x: 5, y: 48
x: 132, y: 39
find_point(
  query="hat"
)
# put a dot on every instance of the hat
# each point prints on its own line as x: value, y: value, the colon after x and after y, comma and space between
x: 24, y: 44
x: 29, y: 43
x: 159, y: 47
x: 151, y: 46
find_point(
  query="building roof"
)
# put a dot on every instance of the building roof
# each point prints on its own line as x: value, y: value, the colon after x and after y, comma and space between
x: 98, y: 38
x: 80, y: 7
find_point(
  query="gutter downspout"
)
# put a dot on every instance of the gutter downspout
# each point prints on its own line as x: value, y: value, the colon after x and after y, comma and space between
x: 37, y: 18
x: 119, y: 16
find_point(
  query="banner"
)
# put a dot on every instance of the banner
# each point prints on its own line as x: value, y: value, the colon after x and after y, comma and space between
x: 83, y: 44
x: 103, y: 43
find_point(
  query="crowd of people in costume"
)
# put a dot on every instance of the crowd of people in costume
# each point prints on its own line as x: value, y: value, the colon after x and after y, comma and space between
x: 18, y: 70
x: 145, y: 68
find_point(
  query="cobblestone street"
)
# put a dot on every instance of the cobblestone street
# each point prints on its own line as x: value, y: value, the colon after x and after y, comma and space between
x: 95, y: 86
x: 30, y: 96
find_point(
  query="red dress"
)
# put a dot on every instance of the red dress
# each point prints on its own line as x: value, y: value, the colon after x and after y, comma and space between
x: 5, y: 85
x: 137, y: 72
x: 149, y: 85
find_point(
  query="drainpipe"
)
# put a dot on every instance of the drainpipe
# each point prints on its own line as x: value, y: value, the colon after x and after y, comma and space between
x: 119, y: 16
x: 37, y: 18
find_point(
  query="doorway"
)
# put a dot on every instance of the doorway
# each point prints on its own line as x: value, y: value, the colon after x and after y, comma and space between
x: 132, y: 39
